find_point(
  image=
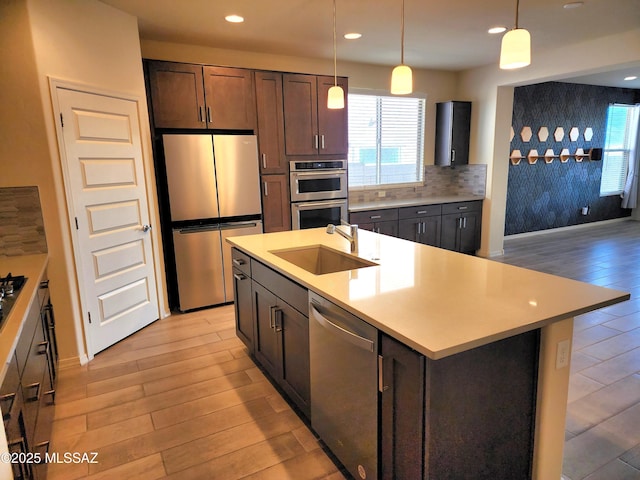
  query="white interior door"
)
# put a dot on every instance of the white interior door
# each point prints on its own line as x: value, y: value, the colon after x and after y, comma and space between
x: 104, y: 172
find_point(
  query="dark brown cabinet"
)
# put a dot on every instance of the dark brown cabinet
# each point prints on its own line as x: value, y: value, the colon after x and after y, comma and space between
x: 402, y: 411
x: 276, y: 211
x: 275, y: 319
x: 204, y: 97
x: 310, y: 127
x: 270, y: 115
x: 453, y: 125
x: 27, y: 394
x: 420, y: 224
x: 383, y: 221
x: 461, y: 226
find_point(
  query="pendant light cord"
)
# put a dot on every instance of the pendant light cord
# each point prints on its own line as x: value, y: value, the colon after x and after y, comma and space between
x: 402, y: 36
x: 335, y: 64
x: 517, y: 12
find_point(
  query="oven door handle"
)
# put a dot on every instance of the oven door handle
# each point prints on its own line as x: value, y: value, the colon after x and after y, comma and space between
x: 328, y: 203
x: 318, y: 173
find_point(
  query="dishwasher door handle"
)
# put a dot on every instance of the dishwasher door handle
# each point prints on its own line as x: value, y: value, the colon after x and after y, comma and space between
x: 353, y: 338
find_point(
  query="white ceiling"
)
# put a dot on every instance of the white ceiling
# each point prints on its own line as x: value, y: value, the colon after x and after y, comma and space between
x: 439, y: 34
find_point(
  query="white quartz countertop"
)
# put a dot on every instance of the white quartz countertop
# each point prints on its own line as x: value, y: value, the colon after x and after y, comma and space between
x: 384, y: 203
x: 32, y: 267
x: 436, y: 301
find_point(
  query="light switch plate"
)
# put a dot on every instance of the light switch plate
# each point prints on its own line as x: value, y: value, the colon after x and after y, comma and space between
x: 562, y: 354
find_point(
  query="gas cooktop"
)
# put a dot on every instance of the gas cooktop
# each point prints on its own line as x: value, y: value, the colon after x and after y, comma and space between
x: 9, y: 289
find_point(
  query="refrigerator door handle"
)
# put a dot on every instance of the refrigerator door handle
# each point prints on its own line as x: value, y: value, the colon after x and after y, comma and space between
x: 197, y: 229
x: 229, y: 226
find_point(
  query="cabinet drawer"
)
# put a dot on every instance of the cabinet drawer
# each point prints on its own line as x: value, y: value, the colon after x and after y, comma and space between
x: 419, y: 211
x: 462, y: 207
x: 292, y: 293
x: 374, y: 216
x: 241, y: 261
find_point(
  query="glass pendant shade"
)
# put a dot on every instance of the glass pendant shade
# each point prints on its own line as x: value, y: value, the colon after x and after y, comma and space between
x: 335, y: 98
x: 516, y: 49
x: 401, y: 80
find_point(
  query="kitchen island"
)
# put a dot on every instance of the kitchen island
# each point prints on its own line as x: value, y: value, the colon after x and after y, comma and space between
x: 444, y: 306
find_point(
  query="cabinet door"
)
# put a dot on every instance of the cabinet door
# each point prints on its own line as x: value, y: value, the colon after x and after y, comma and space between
x: 177, y: 95
x: 266, y: 343
x: 276, y: 209
x: 242, y: 305
x: 449, y: 233
x: 402, y: 410
x: 33, y: 376
x: 453, y: 121
x: 229, y: 97
x: 300, y: 114
x: 332, y: 123
x: 410, y: 229
x: 387, y: 228
x: 294, y: 331
x: 270, y: 116
x: 469, y: 240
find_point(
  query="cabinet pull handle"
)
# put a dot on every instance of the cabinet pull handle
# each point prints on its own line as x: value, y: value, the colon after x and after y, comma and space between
x: 381, y: 386
x: 463, y: 207
x: 464, y: 223
x: 41, y: 350
x: 421, y: 212
x: 374, y: 217
x: 36, y: 386
x: 237, y: 262
x: 272, y: 323
x: 208, y: 114
x: 277, y: 319
x: 44, y: 444
x: 315, y: 141
x: 266, y: 189
x: 239, y: 276
x: 418, y: 228
x: 9, y: 397
x: 264, y: 160
x: 44, y: 284
x: 322, y: 141
x: 53, y: 395
x: 201, y: 113
x: 453, y: 156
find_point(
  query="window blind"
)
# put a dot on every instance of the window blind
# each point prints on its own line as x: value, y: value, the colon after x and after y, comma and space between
x: 620, y: 123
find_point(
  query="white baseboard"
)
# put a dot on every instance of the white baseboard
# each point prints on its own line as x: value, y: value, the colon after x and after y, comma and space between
x: 71, y: 362
x: 565, y: 229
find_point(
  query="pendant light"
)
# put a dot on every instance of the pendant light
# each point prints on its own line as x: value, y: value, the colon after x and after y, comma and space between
x: 401, y: 77
x: 335, y: 97
x: 516, y: 47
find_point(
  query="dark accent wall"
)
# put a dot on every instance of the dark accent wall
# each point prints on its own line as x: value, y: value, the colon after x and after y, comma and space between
x: 551, y: 195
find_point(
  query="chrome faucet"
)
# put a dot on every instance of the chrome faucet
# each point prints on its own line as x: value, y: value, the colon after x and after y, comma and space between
x: 352, y: 236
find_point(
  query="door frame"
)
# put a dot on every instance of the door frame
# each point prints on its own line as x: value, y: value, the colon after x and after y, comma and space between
x: 81, y: 321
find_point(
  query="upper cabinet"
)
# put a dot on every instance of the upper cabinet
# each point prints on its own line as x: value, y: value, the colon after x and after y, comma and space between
x: 270, y: 123
x: 310, y: 127
x: 205, y: 97
x: 453, y: 124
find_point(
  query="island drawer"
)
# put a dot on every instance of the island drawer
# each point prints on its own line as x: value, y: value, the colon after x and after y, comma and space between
x: 289, y: 291
x: 241, y: 261
x: 462, y: 207
x: 373, y: 216
x: 420, y: 211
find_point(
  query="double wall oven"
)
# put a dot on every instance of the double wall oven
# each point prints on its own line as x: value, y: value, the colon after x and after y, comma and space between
x: 318, y: 192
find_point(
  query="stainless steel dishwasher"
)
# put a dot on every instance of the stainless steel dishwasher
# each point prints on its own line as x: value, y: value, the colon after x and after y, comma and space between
x: 344, y: 389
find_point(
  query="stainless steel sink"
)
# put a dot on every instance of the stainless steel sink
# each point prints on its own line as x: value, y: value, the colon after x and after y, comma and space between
x: 318, y: 259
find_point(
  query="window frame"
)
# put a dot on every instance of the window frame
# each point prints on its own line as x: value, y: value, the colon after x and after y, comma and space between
x: 421, y: 137
x: 619, y: 176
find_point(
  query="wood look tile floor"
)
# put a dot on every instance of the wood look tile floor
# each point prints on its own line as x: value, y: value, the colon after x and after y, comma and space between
x: 181, y: 398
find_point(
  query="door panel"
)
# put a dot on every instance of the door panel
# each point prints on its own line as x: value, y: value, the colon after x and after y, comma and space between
x: 107, y: 198
x: 266, y: 339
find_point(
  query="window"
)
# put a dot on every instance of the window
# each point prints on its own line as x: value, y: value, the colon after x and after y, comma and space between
x: 622, y: 122
x: 386, y: 140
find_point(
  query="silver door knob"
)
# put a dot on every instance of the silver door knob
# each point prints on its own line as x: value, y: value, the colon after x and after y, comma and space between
x: 146, y: 228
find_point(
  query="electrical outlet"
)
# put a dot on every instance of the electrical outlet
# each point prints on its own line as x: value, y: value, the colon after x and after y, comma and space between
x: 562, y: 354
x: 382, y: 193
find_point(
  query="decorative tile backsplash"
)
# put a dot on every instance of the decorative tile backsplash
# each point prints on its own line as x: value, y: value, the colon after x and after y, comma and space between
x: 438, y: 181
x: 21, y: 224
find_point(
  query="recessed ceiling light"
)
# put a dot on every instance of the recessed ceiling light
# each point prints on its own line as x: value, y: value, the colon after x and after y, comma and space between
x: 631, y: 77
x: 494, y: 30
x: 352, y: 36
x: 570, y: 5
x: 234, y: 19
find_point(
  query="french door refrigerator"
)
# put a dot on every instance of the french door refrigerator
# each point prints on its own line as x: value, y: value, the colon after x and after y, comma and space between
x: 214, y: 192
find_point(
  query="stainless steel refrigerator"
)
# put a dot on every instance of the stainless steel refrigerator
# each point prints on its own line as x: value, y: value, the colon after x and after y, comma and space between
x: 214, y: 192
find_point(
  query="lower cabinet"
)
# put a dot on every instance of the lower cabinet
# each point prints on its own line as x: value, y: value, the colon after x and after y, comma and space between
x: 420, y: 224
x: 469, y: 415
x: 27, y: 394
x: 272, y: 321
x: 461, y: 226
x: 383, y: 221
